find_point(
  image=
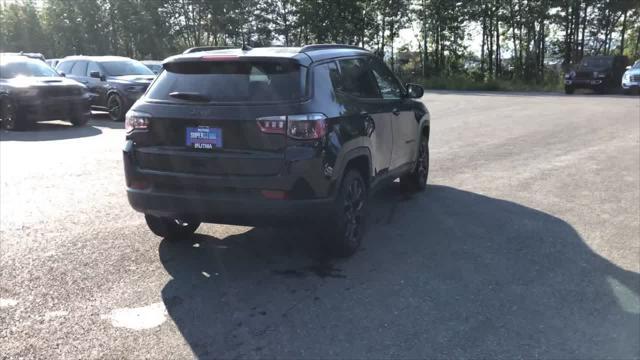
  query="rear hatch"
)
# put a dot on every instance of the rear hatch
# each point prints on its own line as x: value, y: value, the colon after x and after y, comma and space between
x: 204, y: 116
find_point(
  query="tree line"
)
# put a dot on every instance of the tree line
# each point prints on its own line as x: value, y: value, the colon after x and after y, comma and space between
x: 517, y: 38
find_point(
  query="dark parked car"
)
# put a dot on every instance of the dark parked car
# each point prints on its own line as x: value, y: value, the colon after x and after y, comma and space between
x: 31, y: 91
x: 153, y: 65
x: 599, y: 73
x: 116, y: 82
x: 273, y: 135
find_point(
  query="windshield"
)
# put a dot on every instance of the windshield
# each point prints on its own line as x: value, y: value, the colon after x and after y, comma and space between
x: 125, y: 67
x: 232, y: 81
x: 156, y: 68
x: 636, y: 65
x: 35, y: 68
x: 596, y: 62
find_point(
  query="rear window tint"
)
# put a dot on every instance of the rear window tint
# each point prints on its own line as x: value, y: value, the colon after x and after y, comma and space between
x: 232, y: 81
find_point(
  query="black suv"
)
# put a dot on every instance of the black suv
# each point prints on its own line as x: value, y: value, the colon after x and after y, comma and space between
x: 115, y: 82
x: 273, y: 135
x: 31, y: 91
x: 599, y: 73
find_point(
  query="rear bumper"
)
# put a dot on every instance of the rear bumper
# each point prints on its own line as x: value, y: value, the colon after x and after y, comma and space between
x: 227, y: 199
x: 235, y: 209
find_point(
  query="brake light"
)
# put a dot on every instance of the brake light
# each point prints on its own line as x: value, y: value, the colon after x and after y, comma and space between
x: 218, y: 57
x: 300, y: 127
x: 274, y: 194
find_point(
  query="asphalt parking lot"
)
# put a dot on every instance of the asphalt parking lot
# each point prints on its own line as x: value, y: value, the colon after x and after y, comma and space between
x: 526, y: 244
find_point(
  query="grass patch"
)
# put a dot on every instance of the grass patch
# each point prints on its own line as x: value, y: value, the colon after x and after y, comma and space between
x: 469, y: 84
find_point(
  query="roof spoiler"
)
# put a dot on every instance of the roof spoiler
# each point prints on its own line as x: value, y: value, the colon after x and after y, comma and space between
x: 308, y: 48
x: 206, y: 48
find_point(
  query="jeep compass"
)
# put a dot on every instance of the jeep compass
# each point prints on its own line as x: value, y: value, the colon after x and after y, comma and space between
x: 271, y: 136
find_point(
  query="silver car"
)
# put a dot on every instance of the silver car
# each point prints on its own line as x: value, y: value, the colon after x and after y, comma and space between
x: 631, y: 78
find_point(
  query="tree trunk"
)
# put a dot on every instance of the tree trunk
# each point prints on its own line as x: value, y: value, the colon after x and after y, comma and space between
x: 637, y: 46
x: 484, y: 37
x: 623, y: 32
x: 584, y: 27
x: 425, y: 51
x: 382, y: 36
x: 567, y: 36
x: 391, y: 38
x: 516, y: 60
x: 497, y: 44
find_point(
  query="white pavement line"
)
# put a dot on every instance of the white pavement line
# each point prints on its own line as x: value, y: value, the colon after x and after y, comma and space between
x: 4, y: 303
x: 140, y: 318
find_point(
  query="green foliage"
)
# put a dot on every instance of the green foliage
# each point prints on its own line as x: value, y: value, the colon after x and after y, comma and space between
x: 518, y: 36
x: 21, y: 29
x: 456, y: 82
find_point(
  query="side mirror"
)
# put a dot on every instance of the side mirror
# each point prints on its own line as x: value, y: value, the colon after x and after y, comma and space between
x: 414, y: 91
x: 63, y: 74
x: 97, y: 75
x: 628, y: 67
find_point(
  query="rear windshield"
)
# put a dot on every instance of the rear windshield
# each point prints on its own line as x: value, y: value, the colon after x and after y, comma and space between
x: 232, y: 81
x: 125, y: 67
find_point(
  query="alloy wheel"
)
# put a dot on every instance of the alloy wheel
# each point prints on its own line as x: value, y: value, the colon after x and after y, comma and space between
x: 114, y: 108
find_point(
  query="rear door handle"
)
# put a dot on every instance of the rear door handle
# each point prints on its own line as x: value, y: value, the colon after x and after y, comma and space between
x: 395, y: 111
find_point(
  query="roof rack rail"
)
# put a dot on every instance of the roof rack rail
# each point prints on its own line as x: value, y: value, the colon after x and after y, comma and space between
x: 329, y: 46
x: 207, y: 48
x: 313, y: 47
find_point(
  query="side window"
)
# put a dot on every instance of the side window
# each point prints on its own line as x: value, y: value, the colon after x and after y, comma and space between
x: 387, y: 82
x: 79, y: 68
x: 65, y: 67
x: 356, y: 79
x: 327, y: 78
x: 93, y: 67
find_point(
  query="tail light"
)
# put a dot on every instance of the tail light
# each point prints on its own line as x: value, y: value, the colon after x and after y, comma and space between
x: 135, y: 120
x: 299, y: 127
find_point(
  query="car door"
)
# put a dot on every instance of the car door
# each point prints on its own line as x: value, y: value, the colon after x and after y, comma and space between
x: 403, y: 121
x: 361, y: 98
x: 96, y: 86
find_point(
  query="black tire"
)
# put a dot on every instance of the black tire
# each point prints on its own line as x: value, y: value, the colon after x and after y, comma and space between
x: 173, y: 229
x: 349, y: 216
x: 417, y: 179
x: 569, y: 90
x: 9, y: 116
x: 115, y: 106
x: 80, y: 120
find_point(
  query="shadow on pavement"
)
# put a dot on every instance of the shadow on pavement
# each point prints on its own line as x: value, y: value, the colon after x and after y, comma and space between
x: 102, y: 119
x: 446, y: 273
x: 44, y: 131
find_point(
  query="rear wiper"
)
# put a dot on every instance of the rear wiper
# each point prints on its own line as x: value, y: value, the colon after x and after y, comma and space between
x: 189, y: 96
